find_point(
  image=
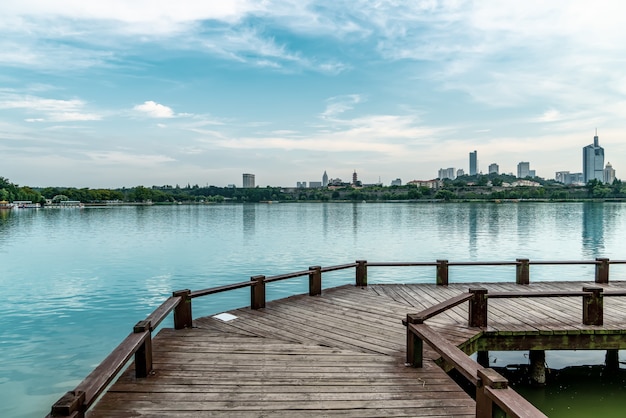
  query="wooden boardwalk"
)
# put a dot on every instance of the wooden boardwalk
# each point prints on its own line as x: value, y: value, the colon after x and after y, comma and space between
x: 338, y: 354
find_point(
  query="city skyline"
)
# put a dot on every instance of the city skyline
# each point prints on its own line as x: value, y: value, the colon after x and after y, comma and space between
x: 154, y: 93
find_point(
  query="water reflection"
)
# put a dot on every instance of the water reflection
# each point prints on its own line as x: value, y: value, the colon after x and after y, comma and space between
x: 249, y: 218
x: 593, y: 229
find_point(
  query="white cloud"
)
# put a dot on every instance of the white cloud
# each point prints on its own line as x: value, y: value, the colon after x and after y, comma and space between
x: 127, y: 158
x: 340, y: 104
x: 154, y: 110
x: 551, y: 115
x: 52, y: 110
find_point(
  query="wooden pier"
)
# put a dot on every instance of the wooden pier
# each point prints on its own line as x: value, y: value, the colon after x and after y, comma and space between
x: 360, y: 351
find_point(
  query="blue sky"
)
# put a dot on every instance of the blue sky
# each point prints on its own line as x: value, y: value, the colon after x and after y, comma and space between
x: 149, y: 92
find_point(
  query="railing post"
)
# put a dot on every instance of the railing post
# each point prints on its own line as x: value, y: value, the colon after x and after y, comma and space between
x: 593, y: 306
x: 478, y: 307
x: 257, y: 292
x: 182, y: 312
x: 361, y: 273
x: 522, y: 271
x: 414, y: 344
x: 487, y: 378
x: 143, y: 356
x: 442, y: 272
x: 315, y: 281
x: 602, y: 270
x: 72, y: 404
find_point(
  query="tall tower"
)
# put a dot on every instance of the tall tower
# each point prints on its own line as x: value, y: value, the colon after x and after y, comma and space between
x: 248, y: 180
x: 593, y: 161
x: 325, y: 179
x: 609, y: 174
x: 473, y: 157
x: 354, y: 178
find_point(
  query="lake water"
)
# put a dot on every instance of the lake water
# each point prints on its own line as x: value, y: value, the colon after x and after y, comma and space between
x: 75, y: 281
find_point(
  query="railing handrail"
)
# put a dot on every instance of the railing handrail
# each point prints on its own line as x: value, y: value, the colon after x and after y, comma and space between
x: 92, y: 386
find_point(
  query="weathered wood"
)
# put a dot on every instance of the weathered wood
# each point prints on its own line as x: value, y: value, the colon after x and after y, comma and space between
x: 443, y: 306
x: 257, y: 292
x: 160, y: 313
x: 182, y: 313
x: 478, y: 307
x: 361, y: 273
x: 602, y: 270
x: 522, y: 271
x: 593, y: 306
x: 143, y: 355
x: 442, y: 272
x: 315, y: 280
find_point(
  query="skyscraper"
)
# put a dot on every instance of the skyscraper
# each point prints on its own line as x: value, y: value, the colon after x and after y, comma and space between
x: 325, y: 179
x: 473, y: 163
x: 609, y: 174
x: 494, y: 168
x: 248, y: 180
x: 593, y: 161
x: 523, y: 169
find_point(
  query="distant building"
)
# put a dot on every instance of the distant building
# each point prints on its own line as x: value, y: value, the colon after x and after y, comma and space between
x: 460, y: 172
x: 315, y: 184
x: 446, y: 173
x: 231, y: 186
x: 396, y: 182
x: 325, y: 179
x: 248, y: 180
x: 566, y: 177
x: 609, y: 174
x: 301, y: 184
x: 431, y: 184
x: 593, y: 161
x: 532, y: 174
x: 355, y: 180
x: 494, y: 168
x: 473, y: 163
x: 523, y: 169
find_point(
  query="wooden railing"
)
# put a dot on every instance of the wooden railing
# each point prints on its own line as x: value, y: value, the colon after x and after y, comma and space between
x: 491, y: 387
x: 139, y: 343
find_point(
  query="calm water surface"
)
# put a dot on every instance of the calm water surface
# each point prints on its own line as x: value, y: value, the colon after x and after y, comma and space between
x: 74, y: 282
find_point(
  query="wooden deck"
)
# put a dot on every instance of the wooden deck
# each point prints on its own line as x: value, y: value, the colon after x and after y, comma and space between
x: 338, y: 354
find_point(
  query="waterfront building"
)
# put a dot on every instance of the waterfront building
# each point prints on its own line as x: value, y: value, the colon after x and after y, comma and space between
x: 354, y: 178
x: 593, y: 161
x: 431, y: 184
x: 609, y: 174
x: 325, y: 179
x: 248, y: 180
x: 446, y: 173
x: 473, y: 163
x: 523, y: 169
x: 566, y: 177
x: 301, y: 184
x: 315, y: 184
x: 396, y: 182
x: 494, y: 168
x: 460, y: 172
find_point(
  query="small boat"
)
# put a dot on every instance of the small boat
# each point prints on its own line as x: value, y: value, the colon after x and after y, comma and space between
x: 5, y: 205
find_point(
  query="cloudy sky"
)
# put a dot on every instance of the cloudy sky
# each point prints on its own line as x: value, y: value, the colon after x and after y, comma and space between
x: 150, y: 92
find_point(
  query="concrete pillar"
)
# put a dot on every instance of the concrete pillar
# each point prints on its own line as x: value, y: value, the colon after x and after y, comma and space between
x: 537, y: 367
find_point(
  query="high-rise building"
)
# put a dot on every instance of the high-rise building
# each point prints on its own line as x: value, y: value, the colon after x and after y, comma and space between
x: 473, y: 157
x: 494, y: 168
x: 325, y: 179
x: 396, y: 182
x: 609, y: 174
x: 593, y: 161
x: 248, y: 180
x: 523, y: 169
x: 460, y: 172
x: 446, y: 173
x: 355, y: 180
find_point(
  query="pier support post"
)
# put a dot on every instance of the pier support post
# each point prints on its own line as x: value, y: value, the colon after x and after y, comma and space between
x: 593, y: 306
x: 442, y: 272
x: 414, y: 344
x: 611, y: 360
x: 143, y: 356
x: 182, y: 312
x: 482, y: 358
x: 361, y: 273
x: 522, y: 271
x: 478, y: 307
x: 602, y: 270
x: 257, y: 292
x: 315, y: 280
x: 537, y: 367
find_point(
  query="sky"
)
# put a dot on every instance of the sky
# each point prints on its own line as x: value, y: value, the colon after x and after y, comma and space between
x: 121, y: 93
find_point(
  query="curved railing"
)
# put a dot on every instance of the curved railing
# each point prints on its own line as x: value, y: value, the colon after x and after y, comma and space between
x: 139, y: 343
